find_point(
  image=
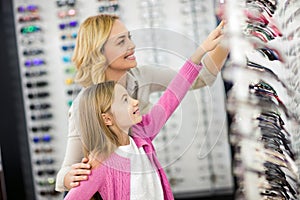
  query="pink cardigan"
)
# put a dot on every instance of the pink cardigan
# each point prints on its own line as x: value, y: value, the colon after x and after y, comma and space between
x: 112, y: 178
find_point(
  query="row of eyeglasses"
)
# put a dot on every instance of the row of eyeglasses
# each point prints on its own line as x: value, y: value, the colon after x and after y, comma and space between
x: 264, y: 155
x: 37, y: 96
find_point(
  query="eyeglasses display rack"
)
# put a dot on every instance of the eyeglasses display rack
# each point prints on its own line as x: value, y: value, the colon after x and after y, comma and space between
x: 193, y: 146
x: 264, y: 99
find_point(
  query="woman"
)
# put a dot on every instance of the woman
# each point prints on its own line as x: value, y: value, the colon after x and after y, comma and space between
x: 104, y: 51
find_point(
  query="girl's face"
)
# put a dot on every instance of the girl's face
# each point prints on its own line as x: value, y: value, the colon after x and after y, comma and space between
x: 119, y: 49
x: 125, y: 109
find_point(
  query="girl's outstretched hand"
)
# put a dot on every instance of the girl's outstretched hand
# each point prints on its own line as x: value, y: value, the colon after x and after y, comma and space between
x: 209, y: 44
x: 213, y: 39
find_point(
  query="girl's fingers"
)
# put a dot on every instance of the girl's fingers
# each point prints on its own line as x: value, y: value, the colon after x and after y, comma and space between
x: 219, y: 39
x: 218, y: 31
x: 214, y: 38
x: 221, y: 24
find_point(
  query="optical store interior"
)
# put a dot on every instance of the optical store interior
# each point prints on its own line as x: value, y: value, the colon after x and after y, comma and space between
x: 235, y: 138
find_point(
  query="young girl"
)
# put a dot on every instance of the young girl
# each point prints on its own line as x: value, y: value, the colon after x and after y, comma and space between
x: 104, y: 51
x: 117, y: 139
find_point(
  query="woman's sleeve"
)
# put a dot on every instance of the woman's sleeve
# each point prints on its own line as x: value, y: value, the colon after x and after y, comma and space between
x: 169, y: 101
x: 160, y: 78
x: 73, y: 152
x: 205, y: 78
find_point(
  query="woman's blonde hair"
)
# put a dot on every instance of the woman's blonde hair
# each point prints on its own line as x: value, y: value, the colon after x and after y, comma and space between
x: 88, y: 55
x: 97, y: 139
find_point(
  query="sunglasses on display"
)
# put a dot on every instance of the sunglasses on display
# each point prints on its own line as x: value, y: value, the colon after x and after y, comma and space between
x: 69, y: 36
x: 41, y: 117
x: 33, y: 52
x: 49, y: 181
x: 70, y: 24
x: 276, y: 145
x: 44, y: 138
x: 108, y: 8
x: 41, y: 106
x: 264, y: 93
x: 273, y: 128
x: 68, y: 47
x: 38, y: 95
x: 35, y: 74
x: 282, y: 171
x: 66, y: 58
x: 28, y: 8
x: 267, y: 71
x: 46, y: 172
x: 258, y: 19
x: 34, y: 62
x: 267, y: 118
x: 268, y: 53
x: 70, y: 70
x: 29, y: 18
x: 44, y: 161
x: 49, y: 193
x: 277, y: 177
x: 261, y: 7
x: 61, y: 3
x: 40, y: 128
x: 66, y: 13
x: 73, y: 92
x: 30, y: 29
x: 43, y: 150
x: 37, y: 84
x: 29, y: 39
x: 69, y: 81
x: 265, y: 34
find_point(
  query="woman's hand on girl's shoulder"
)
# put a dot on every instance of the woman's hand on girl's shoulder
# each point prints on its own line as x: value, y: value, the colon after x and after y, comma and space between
x: 79, y: 172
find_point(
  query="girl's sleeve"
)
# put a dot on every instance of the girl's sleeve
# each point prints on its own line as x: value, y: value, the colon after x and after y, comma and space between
x: 169, y: 101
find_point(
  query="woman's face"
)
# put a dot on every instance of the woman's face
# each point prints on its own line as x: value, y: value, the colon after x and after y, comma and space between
x: 119, y: 49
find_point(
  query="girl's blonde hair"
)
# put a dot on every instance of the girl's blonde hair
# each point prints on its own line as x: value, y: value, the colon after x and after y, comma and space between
x: 97, y: 139
x: 88, y: 55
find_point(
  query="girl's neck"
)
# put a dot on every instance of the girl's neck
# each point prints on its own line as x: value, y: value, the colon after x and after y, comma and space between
x: 124, y: 139
x: 123, y: 135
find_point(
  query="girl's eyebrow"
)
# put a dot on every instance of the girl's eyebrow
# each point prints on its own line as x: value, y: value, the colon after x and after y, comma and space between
x: 124, y: 95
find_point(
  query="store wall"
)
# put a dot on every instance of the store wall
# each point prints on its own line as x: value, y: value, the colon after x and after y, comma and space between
x: 208, y: 154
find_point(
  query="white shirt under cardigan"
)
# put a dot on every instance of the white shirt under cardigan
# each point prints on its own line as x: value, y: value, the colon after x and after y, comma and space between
x: 141, y: 172
x: 148, y: 80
